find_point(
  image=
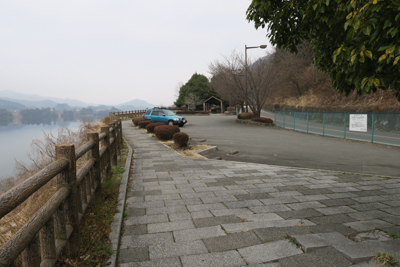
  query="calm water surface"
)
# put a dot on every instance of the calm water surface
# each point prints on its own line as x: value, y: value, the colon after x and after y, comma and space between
x: 16, y: 141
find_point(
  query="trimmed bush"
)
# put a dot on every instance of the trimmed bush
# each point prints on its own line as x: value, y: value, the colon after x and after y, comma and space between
x: 180, y: 139
x: 262, y: 119
x: 136, y: 120
x: 150, y: 127
x: 246, y: 116
x: 165, y: 132
x: 144, y: 123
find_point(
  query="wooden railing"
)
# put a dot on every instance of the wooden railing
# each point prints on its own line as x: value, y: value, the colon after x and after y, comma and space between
x: 55, y: 226
x: 127, y: 114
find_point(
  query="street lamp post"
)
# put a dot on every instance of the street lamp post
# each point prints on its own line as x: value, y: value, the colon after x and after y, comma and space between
x: 245, y: 62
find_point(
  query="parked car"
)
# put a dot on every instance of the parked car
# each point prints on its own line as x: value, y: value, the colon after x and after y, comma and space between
x: 164, y: 115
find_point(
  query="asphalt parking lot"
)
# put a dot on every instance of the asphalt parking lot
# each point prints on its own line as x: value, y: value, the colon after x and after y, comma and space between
x: 276, y: 146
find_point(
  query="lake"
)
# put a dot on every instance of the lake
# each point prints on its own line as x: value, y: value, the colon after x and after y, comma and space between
x: 16, y: 141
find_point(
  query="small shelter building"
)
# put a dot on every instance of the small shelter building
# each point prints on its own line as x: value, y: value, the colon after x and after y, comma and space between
x: 207, y: 104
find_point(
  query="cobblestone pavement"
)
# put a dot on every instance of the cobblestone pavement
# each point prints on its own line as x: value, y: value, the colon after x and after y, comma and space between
x: 198, y: 212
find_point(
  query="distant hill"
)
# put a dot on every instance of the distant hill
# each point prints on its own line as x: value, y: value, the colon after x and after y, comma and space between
x: 33, y: 104
x: 135, y: 104
x: 10, y: 105
x: 7, y: 94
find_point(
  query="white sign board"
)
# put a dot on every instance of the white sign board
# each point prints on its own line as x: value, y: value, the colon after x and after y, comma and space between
x: 358, y: 122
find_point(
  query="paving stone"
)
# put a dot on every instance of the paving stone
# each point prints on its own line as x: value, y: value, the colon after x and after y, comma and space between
x: 369, y: 199
x: 167, y: 250
x: 368, y: 206
x: 336, y: 210
x: 305, y: 205
x: 344, y: 189
x: 279, y: 233
x: 221, y: 183
x: 392, y: 219
x: 310, y: 198
x: 236, y: 212
x: 253, y: 196
x: 269, y: 252
x: 164, y: 262
x: 332, y: 219
x: 368, y: 215
x: 234, y: 228
x: 392, y: 211
x: 312, y: 241
x: 285, y: 194
x: 299, y: 214
x: 169, y: 226
x: 231, y: 241
x: 242, y: 204
x: 362, y: 251
x: 291, y: 188
x: 279, y: 200
x: 198, y: 233
x: 338, y: 202
x: 135, y: 229
x: 370, y: 193
x: 201, y: 214
x: 159, y: 218
x: 368, y: 225
x: 133, y: 254
x: 341, y: 195
x: 173, y: 217
x: 219, y: 199
x: 144, y: 193
x: 214, y: 206
x: 135, y: 211
x: 213, y: 221
x: 173, y: 209
x: 326, y: 257
x: 260, y: 217
x: 129, y: 241
x: 228, y: 258
x: 270, y: 208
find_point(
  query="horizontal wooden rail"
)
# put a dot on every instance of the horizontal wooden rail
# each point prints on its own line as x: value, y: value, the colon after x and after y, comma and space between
x: 83, y: 149
x: 18, y: 194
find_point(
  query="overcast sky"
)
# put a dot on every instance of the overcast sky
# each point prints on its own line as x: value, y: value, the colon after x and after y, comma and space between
x: 110, y: 52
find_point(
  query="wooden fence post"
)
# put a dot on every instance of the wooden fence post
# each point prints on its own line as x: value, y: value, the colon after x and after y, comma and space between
x: 95, y: 154
x: 120, y: 134
x: 106, y: 142
x: 113, y: 151
x: 31, y: 254
x: 67, y: 178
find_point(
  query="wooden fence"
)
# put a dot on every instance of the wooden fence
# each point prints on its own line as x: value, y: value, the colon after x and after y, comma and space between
x: 126, y: 114
x: 55, y: 226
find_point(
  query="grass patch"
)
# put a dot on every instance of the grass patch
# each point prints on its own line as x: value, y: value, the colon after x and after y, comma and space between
x: 293, y: 241
x: 96, y: 223
x: 385, y: 259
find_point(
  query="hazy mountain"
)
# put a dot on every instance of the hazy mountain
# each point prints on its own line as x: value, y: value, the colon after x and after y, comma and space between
x: 135, y: 104
x: 7, y: 94
x: 33, y: 104
x: 10, y: 105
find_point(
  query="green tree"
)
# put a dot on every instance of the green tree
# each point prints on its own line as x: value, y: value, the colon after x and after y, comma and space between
x: 356, y: 42
x: 198, y: 85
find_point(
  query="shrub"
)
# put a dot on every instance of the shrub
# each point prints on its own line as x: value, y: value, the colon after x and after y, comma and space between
x: 136, y: 120
x: 144, y: 123
x: 246, y: 116
x: 150, y: 127
x: 165, y: 132
x: 262, y: 119
x: 180, y: 139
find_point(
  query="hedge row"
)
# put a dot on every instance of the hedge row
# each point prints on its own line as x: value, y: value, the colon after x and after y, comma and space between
x: 150, y: 127
x: 262, y: 119
x: 136, y: 120
x: 246, y: 116
x: 166, y: 132
x: 180, y: 139
x: 144, y: 123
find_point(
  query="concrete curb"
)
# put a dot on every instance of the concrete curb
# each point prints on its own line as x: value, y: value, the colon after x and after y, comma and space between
x: 206, y: 151
x: 254, y: 123
x: 116, y: 226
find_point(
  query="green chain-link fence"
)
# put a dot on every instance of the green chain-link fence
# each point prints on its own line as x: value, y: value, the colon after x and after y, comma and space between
x: 380, y: 128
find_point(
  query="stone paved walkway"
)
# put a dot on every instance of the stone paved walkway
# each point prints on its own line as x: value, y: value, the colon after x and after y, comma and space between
x: 198, y: 212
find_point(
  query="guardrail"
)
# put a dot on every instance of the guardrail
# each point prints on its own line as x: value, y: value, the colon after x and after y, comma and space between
x: 55, y: 226
x: 374, y: 127
x: 127, y: 114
